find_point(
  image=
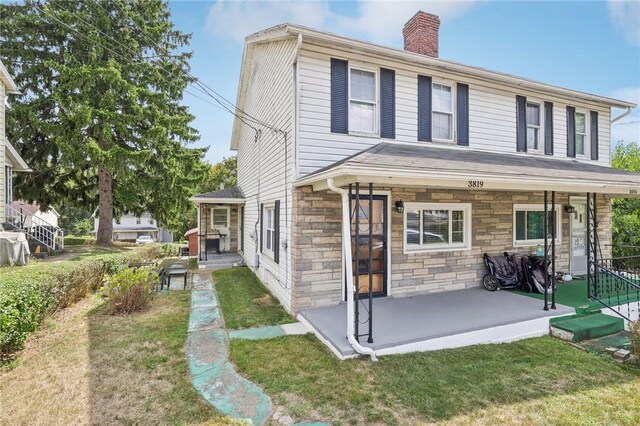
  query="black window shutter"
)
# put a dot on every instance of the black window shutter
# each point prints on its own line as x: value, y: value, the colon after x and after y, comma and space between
x: 594, y: 135
x: 548, y: 128
x: 276, y: 234
x: 463, y: 114
x: 387, y: 103
x: 521, y: 123
x: 339, y: 96
x: 261, y: 225
x: 571, y: 131
x: 424, y: 108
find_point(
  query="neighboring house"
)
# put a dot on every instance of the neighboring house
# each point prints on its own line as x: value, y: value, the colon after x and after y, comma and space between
x: 458, y: 159
x: 10, y: 160
x: 129, y: 227
x: 34, y: 216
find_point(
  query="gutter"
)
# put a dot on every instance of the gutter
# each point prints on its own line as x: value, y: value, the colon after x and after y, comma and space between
x: 346, y: 250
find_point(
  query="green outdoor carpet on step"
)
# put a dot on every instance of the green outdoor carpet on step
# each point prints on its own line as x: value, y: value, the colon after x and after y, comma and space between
x: 588, y: 326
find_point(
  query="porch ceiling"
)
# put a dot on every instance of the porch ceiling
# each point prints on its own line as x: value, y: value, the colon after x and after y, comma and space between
x: 397, y: 164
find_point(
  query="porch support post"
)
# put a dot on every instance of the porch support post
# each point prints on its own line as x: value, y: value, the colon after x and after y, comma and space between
x: 554, y: 230
x: 546, y: 250
x: 370, y: 339
x: 596, y: 246
x: 356, y: 271
x: 589, y: 283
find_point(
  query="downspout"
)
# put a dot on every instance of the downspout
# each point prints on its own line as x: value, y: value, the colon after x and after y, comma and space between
x: 623, y: 115
x: 346, y: 250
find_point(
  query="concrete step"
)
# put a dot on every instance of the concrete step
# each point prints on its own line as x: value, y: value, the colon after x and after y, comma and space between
x: 579, y: 327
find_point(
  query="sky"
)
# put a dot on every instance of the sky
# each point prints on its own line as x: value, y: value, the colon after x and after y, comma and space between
x: 591, y: 46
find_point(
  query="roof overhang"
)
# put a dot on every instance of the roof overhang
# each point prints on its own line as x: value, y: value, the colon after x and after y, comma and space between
x: 409, y: 165
x: 396, y: 177
x: 8, y: 82
x: 19, y: 165
x: 208, y: 200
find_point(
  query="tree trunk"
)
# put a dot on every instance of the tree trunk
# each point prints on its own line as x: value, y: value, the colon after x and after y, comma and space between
x: 104, y: 235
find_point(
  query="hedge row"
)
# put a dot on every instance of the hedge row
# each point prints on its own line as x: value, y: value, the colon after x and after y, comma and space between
x: 28, y: 294
x: 79, y: 240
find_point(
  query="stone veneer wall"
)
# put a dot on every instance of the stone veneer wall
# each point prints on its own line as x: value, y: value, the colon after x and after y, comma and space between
x: 316, y: 242
x: 205, y: 224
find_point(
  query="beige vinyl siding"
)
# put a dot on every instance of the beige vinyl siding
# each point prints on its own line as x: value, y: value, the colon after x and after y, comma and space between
x: 2, y: 159
x: 492, y: 111
x: 261, y: 164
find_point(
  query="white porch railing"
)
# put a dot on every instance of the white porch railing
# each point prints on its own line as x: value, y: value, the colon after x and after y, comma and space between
x: 36, y: 228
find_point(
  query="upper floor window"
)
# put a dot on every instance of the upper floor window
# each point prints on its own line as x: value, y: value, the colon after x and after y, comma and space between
x: 581, y: 133
x: 151, y: 221
x: 362, y: 101
x: 138, y: 221
x: 442, y: 112
x: 118, y: 221
x: 533, y: 127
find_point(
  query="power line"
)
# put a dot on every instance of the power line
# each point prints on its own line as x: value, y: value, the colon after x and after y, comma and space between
x: 626, y: 122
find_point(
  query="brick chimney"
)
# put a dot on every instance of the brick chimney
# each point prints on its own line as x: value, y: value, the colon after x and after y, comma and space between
x: 421, y: 34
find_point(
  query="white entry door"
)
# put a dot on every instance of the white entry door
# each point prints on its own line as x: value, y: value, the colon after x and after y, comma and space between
x: 579, y: 236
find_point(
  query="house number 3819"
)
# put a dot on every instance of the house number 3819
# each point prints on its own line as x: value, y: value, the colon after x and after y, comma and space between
x: 476, y: 184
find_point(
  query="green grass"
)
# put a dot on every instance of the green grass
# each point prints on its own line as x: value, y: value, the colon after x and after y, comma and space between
x: 88, y: 367
x: 535, y: 381
x: 245, y: 302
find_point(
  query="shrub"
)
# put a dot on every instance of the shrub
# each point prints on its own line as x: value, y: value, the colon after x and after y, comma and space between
x: 635, y: 339
x: 79, y: 240
x: 130, y: 290
x: 28, y: 294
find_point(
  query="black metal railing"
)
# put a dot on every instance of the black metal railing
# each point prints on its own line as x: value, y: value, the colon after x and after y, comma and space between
x: 616, y: 285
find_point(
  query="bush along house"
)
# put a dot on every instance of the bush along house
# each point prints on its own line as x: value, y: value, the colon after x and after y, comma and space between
x: 372, y: 180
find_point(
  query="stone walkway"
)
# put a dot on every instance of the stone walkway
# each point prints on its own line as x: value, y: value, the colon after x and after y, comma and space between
x: 213, y: 376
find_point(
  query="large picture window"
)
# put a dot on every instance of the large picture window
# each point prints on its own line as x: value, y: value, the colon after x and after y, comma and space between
x: 528, y: 224
x: 362, y: 101
x: 437, y: 226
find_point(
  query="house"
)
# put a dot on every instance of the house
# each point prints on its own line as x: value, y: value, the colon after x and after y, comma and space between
x: 444, y: 162
x: 10, y: 160
x: 35, y: 215
x: 129, y: 227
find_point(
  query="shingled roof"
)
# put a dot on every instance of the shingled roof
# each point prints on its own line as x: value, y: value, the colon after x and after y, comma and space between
x: 232, y: 195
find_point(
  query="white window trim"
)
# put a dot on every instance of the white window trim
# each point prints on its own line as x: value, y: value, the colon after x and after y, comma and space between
x: 453, y: 112
x: 376, y: 106
x: 536, y: 207
x: 540, y: 127
x: 269, y: 227
x: 466, y: 245
x: 587, y: 135
x: 220, y: 208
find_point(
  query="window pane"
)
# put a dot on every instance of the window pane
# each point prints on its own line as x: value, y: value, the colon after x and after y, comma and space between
x: 219, y: 217
x: 532, y: 138
x: 442, y: 98
x: 535, y: 225
x: 457, y: 226
x: 533, y: 114
x: 580, y: 144
x: 361, y: 117
x: 521, y: 225
x: 363, y: 85
x: 580, y: 123
x: 442, y: 126
x: 413, y: 227
x: 435, y: 226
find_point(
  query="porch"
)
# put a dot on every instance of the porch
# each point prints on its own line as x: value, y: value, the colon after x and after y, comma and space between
x: 436, y: 321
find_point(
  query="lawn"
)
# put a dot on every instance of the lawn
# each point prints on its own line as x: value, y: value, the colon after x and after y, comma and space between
x: 245, y: 302
x: 87, y: 367
x: 535, y: 381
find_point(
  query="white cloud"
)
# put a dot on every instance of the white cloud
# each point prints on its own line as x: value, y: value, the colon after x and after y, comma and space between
x: 377, y: 21
x: 626, y: 16
x: 237, y: 19
x: 619, y: 130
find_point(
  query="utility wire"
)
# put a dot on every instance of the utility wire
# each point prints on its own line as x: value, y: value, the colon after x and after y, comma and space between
x: 626, y: 122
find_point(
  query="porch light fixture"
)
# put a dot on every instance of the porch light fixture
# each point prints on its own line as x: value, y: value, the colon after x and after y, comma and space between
x: 400, y: 206
x: 569, y: 209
